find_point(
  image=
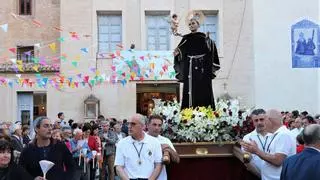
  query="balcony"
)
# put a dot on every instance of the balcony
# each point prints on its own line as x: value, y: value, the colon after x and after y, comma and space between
x: 29, y: 68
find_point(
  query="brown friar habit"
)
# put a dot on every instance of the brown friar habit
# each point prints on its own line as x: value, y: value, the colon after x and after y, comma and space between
x: 196, y: 64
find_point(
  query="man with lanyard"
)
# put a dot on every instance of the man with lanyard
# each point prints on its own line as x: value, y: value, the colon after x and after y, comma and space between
x: 278, y: 148
x: 138, y: 156
x: 260, y: 136
x: 154, y: 129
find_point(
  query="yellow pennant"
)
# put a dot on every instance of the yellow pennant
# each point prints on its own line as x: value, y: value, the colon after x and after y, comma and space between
x: 133, y: 74
x: 20, y: 67
x: 19, y: 62
x: 53, y: 47
x: 152, y: 65
x: 36, y: 67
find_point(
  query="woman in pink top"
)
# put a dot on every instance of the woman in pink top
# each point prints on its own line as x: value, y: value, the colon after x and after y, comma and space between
x: 94, y: 143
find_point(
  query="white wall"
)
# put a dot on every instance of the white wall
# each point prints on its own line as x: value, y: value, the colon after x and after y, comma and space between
x: 277, y: 85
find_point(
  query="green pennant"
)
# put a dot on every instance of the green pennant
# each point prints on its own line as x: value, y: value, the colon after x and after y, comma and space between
x: 92, y: 81
x: 61, y: 39
x: 75, y: 63
x: 35, y: 60
x: 129, y: 63
x: 64, y: 59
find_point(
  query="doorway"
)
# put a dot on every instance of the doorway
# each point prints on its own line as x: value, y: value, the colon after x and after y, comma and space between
x: 147, y: 92
x: 30, y: 106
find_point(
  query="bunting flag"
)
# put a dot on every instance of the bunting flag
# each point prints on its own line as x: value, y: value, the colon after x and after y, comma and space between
x: 43, y: 61
x: 10, y: 83
x: 14, y: 15
x: 86, y: 79
x: 58, y: 28
x: 37, y: 23
x: 123, y: 82
x: 44, y: 81
x: 61, y: 39
x: 53, y: 47
x: 74, y: 63
x: 152, y: 66
x: 13, y: 60
x: 84, y: 50
x: 4, y: 27
x: 36, y: 68
x: 37, y: 45
x: 13, y: 50
x: 74, y: 35
x: 19, y: 62
x: 20, y: 68
x: 113, y: 68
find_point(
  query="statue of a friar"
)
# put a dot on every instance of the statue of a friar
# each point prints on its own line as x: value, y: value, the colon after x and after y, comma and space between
x: 196, y: 61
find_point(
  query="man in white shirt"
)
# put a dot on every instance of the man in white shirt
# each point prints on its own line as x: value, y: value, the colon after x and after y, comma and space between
x: 259, y: 136
x: 298, y: 127
x: 61, y: 120
x: 154, y: 129
x: 138, y: 156
x: 278, y: 148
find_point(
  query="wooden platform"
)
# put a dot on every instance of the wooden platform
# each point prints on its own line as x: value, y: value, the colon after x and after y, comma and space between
x: 206, y: 161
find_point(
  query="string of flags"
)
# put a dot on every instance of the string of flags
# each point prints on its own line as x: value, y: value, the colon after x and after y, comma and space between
x: 126, y: 65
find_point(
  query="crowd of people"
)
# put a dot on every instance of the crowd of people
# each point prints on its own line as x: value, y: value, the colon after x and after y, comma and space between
x: 101, y: 149
x: 283, y: 145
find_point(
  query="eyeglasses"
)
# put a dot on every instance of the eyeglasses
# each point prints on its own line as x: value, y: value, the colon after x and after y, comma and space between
x: 47, y: 126
x: 132, y: 123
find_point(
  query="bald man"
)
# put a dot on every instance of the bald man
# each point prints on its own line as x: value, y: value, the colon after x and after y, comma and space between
x: 305, y: 165
x: 280, y: 146
x: 138, y: 156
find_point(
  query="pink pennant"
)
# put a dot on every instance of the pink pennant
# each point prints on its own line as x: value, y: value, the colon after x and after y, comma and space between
x: 58, y: 28
x: 13, y: 50
x: 165, y: 68
x: 37, y: 23
x: 86, y: 79
x: 118, y: 53
x: 142, y: 58
x: 113, y: 68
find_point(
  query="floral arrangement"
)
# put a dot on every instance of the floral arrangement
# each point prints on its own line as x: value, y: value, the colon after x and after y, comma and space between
x: 202, y: 124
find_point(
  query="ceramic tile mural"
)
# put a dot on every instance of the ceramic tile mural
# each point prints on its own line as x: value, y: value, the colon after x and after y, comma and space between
x: 305, y: 44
